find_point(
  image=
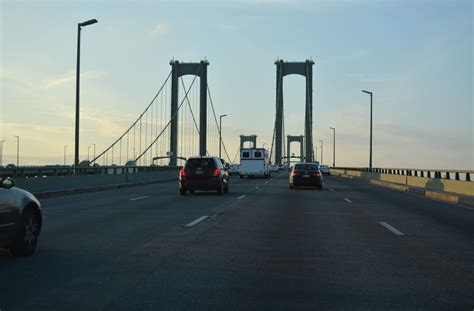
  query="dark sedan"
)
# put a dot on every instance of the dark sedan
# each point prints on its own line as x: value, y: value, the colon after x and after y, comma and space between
x: 306, y: 175
x: 203, y: 173
x: 20, y: 219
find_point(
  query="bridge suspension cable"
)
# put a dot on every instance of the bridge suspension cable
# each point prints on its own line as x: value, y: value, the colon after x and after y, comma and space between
x: 127, y: 132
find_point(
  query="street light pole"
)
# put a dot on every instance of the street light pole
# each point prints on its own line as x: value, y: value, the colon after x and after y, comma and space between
x: 94, y: 150
x: 370, y: 154
x: 334, y: 147
x: 88, y: 149
x: 321, y: 151
x: 1, y: 151
x: 220, y: 134
x: 65, y: 147
x: 76, y: 145
x: 17, y: 150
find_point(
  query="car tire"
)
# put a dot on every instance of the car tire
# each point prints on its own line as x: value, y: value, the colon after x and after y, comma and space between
x: 27, y: 236
x: 320, y: 187
x: 241, y: 176
x: 191, y: 191
x: 182, y: 191
x: 220, y: 188
x: 292, y: 187
x: 226, y: 189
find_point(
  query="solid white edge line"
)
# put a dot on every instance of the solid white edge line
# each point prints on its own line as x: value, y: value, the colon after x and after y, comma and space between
x: 347, y: 200
x: 139, y: 198
x: 241, y: 197
x: 390, y: 228
x: 195, y: 222
x: 9, y: 224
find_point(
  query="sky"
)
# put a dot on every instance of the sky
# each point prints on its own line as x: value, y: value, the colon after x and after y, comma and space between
x: 415, y: 56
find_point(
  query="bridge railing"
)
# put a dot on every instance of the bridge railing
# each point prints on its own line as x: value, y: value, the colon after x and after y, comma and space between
x: 45, y: 171
x: 449, y: 174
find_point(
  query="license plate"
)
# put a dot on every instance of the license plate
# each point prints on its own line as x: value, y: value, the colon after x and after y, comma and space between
x: 306, y: 176
x: 198, y: 172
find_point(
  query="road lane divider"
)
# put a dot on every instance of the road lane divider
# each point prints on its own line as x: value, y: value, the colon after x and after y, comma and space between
x: 241, y: 197
x: 347, y: 200
x: 390, y: 228
x: 195, y: 222
x: 331, y: 189
x: 258, y: 187
x: 140, y: 198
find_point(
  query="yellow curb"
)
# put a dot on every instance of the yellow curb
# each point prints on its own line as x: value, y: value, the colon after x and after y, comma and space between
x: 389, y: 185
x: 442, y: 196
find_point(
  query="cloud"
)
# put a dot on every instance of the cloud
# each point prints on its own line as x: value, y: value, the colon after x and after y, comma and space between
x: 159, y: 30
x: 70, y: 77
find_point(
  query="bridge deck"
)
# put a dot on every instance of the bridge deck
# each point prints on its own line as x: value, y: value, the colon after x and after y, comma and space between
x: 264, y: 246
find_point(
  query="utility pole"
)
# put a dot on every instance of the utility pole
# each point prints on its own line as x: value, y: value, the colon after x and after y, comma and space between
x: 370, y: 152
x: 334, y: 147
x: 17, y: 150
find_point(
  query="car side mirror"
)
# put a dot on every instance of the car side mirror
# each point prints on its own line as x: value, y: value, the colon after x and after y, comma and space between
x: 7, y: 183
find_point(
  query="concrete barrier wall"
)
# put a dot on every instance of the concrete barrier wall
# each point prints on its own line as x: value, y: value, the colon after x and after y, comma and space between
x: 434, y: 184
x: 59, y: 183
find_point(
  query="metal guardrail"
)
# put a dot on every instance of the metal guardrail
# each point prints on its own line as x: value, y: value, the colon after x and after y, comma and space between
x: 44, y: 171
x: 465, y: 175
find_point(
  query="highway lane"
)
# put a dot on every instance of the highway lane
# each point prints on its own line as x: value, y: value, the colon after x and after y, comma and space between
x: 265, y: 248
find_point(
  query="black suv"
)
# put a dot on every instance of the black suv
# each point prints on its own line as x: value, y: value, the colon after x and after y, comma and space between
x: 203, y: 173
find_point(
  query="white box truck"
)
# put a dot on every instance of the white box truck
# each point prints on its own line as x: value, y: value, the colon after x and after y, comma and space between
x: 254, y: 162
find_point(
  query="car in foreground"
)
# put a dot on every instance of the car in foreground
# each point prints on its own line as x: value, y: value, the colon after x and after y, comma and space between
x: 20, y: 219
x: 325, y: 170
x: 306, y: 175
x: 203, y: 173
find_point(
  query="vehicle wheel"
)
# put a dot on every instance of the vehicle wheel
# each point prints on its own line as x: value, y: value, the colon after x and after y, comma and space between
x: 182, y: 191
x: 241, y: 176
x: 226, y: 189
x: 27, y: 236
x: 292, y: 187
x: 191, y: 191
x: 220, y: 188
x: 320, y: 187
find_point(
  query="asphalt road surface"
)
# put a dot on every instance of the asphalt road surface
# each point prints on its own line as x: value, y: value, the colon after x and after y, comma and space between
x: 262, y: 246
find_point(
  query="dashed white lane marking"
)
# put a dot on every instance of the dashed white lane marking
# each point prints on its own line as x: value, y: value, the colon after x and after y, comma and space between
x: 195, y: 222
x: 241, y: 197
x: 331, y: 189
x: 390, y: 228
x: 347, y: 200
x: 139, y: 198
x: 267, y: 182
x: 258, y: 187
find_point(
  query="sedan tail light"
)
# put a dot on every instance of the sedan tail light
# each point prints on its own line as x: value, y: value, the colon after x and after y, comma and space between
x: 217, y: 172
x: 317, y: 174
x: 182, y: 173
x: 294, y: 174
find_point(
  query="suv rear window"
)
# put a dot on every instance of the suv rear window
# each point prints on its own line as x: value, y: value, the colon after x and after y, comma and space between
x: 203, y: 163
x: 306, y: 167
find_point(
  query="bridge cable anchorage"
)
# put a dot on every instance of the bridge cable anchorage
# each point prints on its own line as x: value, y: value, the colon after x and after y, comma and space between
x: 173, y: 116
x: 134, y: 123
x: 217, y: 124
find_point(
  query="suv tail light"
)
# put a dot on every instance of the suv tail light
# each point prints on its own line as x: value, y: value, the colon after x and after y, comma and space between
x: 217, y: 172
x: 182, y: 173
x: 294, y: 174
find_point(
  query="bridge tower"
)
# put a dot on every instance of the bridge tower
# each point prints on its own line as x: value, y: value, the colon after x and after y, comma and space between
x: 250, y: 138
x: 283, y: 69
x: 299, y: 139
x: 181, y: 69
